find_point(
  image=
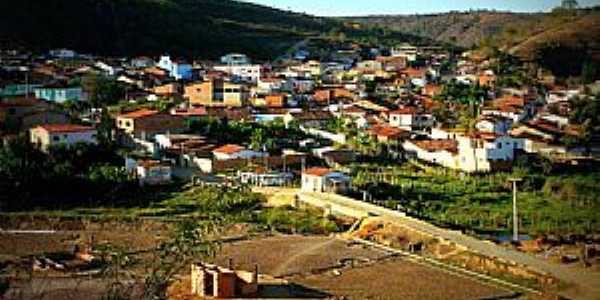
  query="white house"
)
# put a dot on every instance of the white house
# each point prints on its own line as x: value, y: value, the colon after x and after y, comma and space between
x: 177, y: 69
x: 152, y: 172
x: 323, y: 180
x: 235, y: 59
x: 409, y: 119
x: 442, y: 152
x: 248, y: 73
x: 494, y: 124
x: 484, y: 152
x: 231, y: 151
x: 49, y: 135
x: 62, y: 53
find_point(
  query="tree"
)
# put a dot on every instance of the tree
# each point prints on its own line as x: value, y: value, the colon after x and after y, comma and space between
x: 104, y: 91
x: 589, y: 72
x: 570, y: 4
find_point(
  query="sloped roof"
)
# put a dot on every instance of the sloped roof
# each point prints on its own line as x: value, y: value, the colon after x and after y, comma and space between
x: 54, y: 128
x: 317, y: 171
x: 139, y: 114
x: 229, y: 149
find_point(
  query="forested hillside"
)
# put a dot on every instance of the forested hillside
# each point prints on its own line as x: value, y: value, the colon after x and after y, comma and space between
x: 205, y: 28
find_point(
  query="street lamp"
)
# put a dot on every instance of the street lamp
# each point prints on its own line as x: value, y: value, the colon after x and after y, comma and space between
x: 515, y: 214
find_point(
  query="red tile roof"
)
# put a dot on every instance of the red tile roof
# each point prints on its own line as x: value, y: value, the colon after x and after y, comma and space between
x: 317, y: 171
x: 404, y: 111
x: 437, y: 145
x: 54, y: 128
x: 229, y: 149
x: 386, y: 131
x: 199, y: 111
x: 139, y: 114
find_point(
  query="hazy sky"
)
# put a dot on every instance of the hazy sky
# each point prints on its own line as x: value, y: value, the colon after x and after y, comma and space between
x: 366, y: 7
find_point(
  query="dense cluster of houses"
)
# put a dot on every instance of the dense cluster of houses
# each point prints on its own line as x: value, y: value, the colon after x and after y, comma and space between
x: 347, y: 84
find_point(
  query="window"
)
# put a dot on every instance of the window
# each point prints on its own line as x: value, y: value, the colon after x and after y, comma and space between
x: 499, y: 145
x: 12, y: 111
x: 127, y: 124
x: 56, y: 138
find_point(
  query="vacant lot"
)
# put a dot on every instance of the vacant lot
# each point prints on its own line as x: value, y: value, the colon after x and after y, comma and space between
x: 339, y: 268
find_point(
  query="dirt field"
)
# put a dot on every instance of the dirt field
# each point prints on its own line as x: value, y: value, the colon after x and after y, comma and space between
x: 325, y: 264
x: 324, y: 267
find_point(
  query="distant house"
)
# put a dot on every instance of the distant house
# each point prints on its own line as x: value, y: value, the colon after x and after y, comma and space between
x: 493, y: 124
x: 323, y: 180
x: 46, y: 136
x: 264, y: 178
x: 59, y: 93
x: 315, y: 118
x: 62, y: 53
x: 24, y: 113
x: 247, y: 73
x: 142, y: 62
x: 152, y: 172
x: 179, y: 70
x: 193, y: 113
x: 409, y: 118
x: 441, y: 152
x: 145, y: 124
x: 516, y: 108
x: 386, y: 134
x: 235, y: 59
x: 231, y: 151
x: 217, y: 92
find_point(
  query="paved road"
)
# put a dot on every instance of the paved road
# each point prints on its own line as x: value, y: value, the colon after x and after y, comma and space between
x: 586, y: 283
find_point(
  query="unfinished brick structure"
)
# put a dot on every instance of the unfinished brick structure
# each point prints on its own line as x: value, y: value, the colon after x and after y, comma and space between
x: 218, y: 282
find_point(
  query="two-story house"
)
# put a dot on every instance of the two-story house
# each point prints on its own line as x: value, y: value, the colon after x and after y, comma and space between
x: 217, y: 92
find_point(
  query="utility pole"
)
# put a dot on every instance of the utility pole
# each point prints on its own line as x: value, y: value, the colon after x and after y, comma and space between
x: 515, y: 213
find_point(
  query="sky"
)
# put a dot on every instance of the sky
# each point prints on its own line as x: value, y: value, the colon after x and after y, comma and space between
x: 370, y: 7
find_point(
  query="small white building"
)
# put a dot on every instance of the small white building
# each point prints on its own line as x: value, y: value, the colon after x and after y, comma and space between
x: 248, y: 73
x: 409, y: 119
x: 494, y: 124
x: 323, y: 180
x: 231, y: 151
x: 46, y: 136
x: 152, y: 172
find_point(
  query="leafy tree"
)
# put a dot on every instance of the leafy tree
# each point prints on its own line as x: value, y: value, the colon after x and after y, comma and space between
x: 104, y: 91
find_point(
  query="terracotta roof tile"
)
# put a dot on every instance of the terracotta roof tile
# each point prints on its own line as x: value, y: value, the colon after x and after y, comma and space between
x: 317, y: 171
x: 139, y: 114
x: 53, y: 128
x: 229, y: 149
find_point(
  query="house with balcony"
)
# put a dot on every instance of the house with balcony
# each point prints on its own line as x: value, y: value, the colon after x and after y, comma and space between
x: 217, y: 92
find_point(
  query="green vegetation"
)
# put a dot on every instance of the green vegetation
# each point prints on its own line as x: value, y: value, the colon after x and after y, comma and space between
x: 79, y: 175
x: 291, y: 220
x: 190, y: 28
x: 548, y: 204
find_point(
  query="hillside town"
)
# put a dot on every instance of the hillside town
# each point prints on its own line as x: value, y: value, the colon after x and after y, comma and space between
x: 419, y: 152
x: 456, y: 110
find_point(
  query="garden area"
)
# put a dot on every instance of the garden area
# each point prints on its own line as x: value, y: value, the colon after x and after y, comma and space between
x: 482, y: 204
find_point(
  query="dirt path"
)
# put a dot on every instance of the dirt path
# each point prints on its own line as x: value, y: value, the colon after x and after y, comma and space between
x: 282, y: 268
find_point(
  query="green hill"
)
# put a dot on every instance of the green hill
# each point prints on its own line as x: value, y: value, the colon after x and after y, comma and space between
x: 192, y: 28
